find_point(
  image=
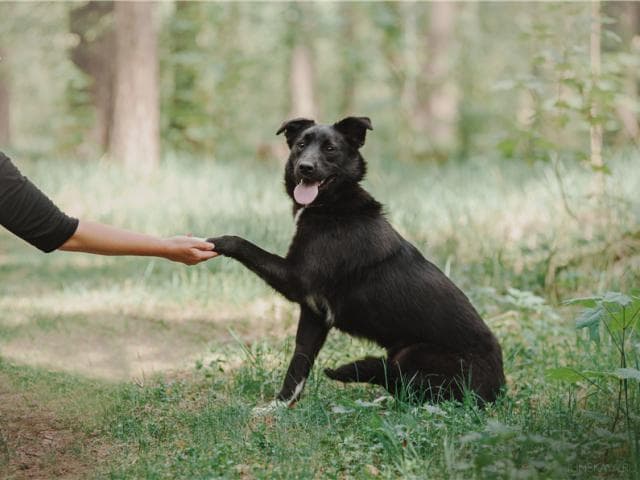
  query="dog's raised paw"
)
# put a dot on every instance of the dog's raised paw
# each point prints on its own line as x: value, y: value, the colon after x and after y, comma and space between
x: 268, y: 409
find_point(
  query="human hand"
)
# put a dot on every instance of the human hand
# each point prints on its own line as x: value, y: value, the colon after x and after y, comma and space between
x: 188, y: 250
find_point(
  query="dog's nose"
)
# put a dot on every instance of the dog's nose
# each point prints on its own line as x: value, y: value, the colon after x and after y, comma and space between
x: 306, y: 168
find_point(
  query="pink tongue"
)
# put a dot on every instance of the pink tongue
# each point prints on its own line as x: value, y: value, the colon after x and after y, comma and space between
x: 305, y: 194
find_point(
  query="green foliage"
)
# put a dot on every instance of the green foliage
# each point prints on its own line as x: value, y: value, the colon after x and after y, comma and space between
x: 559, y: 96
x: 190, y: 123
x: 618, y: 315
x: 74, y: 126
x: 105, y: 316
x: 521, y: 74
x: 500, y: 229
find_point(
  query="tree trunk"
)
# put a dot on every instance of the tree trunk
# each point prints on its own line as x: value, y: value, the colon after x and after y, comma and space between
x: 135, y: 139
x: 442, y: 98
x: 410, y: 59
x: 5, y: 117
x: 350, y: 59
x: 301, y: 82
x: 470, y: 31
x: 301, y: 74
x: 93, y: 54
x: 629, y: 14
x: 596, y: 125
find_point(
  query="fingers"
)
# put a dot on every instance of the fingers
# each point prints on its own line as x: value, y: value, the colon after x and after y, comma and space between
x: 196, y: 256
x: 204, y: 255
x: 202, y: 245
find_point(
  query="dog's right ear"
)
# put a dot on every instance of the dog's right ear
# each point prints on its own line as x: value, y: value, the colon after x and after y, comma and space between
x: 292, y: 128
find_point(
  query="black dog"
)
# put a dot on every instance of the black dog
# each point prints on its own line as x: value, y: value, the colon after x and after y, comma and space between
x: 349, y: 269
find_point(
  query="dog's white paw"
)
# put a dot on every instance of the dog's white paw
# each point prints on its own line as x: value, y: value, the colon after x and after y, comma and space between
x: 269, y: 409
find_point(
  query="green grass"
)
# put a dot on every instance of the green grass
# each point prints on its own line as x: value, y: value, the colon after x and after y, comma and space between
x: 161, y: 365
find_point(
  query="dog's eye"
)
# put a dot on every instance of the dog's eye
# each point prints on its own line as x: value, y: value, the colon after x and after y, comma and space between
x: 300, y: 145
x: 330, y: 148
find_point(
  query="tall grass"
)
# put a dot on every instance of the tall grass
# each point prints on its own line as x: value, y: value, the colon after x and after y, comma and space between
x: 490, y: 223
x: 500, y: 230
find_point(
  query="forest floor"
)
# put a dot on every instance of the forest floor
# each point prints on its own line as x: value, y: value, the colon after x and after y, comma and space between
x: 139, y: 368
x: 40, y: 442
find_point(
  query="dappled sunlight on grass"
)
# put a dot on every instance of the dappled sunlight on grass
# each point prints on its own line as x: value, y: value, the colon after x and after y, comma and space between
x: 488, y: 224
x: 182, y: 355
x: 119, y: 334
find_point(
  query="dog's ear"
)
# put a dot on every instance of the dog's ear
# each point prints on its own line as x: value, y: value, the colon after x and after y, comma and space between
x: 292, y: 128
x: 354, y: 129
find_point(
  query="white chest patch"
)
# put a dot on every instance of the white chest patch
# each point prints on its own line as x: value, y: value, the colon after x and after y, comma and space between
x: 298, y: 215
x: 319, y: 306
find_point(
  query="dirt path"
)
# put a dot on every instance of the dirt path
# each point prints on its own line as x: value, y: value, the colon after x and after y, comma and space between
x: 39, y: 436
x: 37, y: 443
x: 105, y: 341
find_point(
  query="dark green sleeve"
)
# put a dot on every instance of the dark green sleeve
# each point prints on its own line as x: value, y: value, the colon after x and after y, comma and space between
x: 28, y: 213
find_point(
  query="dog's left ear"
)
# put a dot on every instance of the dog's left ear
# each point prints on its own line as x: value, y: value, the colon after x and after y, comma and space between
x: 293, y: 128
x: 354, y: 129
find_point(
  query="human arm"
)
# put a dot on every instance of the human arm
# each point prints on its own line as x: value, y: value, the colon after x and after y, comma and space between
x: 93, y: 237
x: 32, y: 216
x: 28, y: 213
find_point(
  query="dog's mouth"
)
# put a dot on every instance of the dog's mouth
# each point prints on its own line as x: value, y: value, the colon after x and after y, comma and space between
x: 306, y: 191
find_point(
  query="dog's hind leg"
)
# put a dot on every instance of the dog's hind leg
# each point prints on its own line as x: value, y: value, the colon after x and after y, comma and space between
x: 427, y: 373
x: 420, y: 372
x: 366, y: 370
x: 374, y: 370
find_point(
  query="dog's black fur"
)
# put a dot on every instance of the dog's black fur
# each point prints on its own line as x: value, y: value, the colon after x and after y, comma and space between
x: 349, y: 269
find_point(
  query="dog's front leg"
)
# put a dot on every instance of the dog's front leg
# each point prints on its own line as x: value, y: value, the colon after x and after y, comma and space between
x: 273, y: 269
x: 312, y: 332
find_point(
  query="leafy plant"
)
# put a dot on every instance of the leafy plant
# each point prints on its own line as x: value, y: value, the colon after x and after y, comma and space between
x: 617, y: 316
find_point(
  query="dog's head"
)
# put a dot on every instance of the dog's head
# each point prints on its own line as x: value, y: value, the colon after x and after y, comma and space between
x: 323, y: 158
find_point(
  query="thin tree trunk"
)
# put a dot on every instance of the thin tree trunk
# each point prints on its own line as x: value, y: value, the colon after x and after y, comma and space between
x: 303, y: 102
x: 443, y: 96
x: 301, y: 73
x: 94, y: 56
x: 470, y: 31
x: 350, y: 59
x: 5, y: 111
x: 411, y: 61
x: 429, y: 95
x: 596, y: 126
x: 135, y: 139
x: 629, y: 14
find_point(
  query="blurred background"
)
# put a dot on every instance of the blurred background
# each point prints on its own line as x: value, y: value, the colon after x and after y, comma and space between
x: 441, y: 81
x: 505, y: 146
